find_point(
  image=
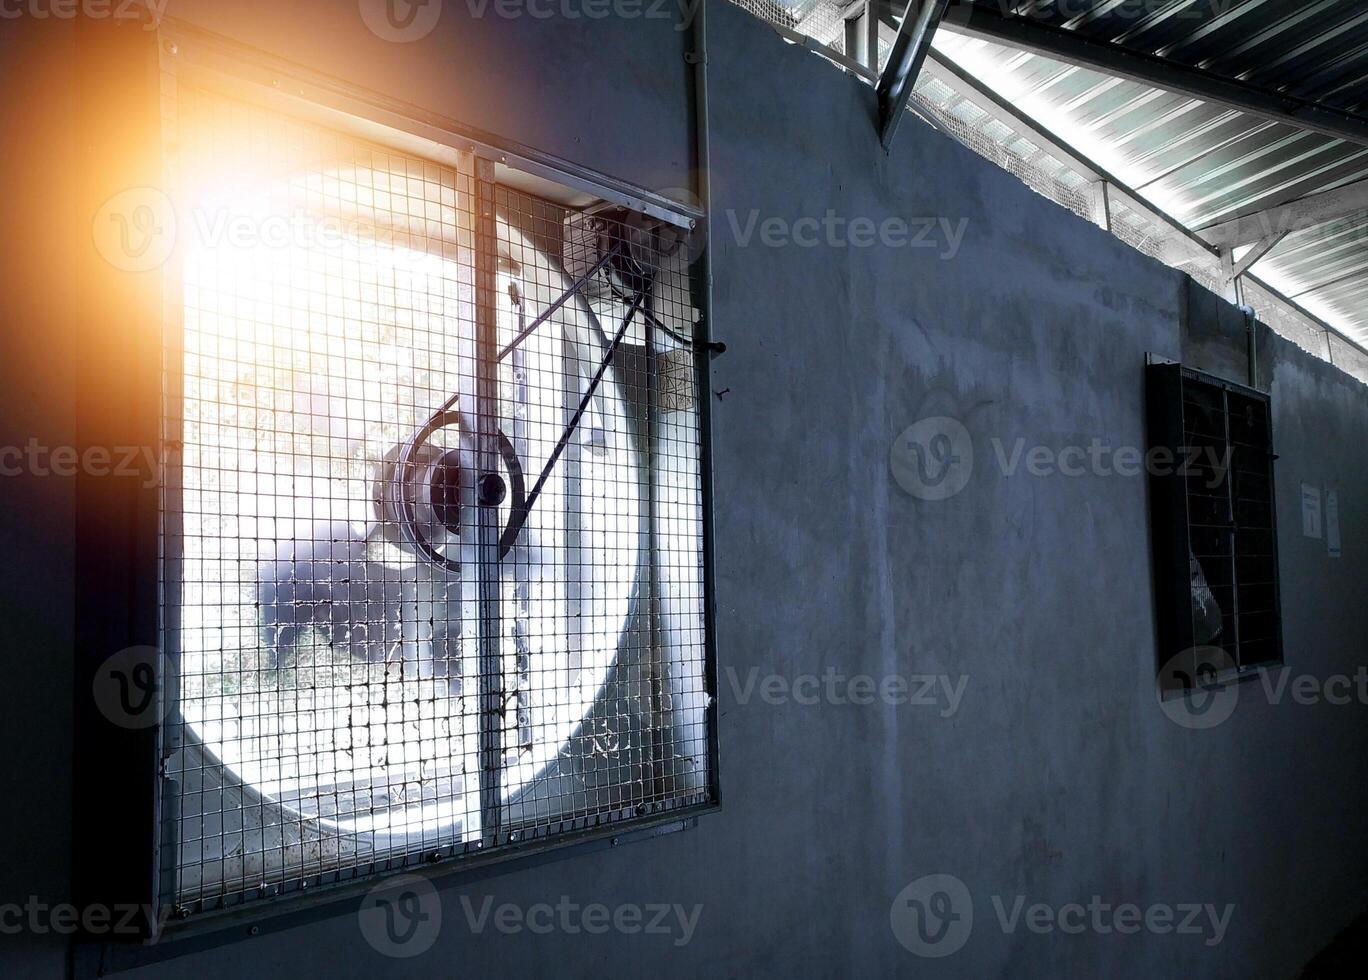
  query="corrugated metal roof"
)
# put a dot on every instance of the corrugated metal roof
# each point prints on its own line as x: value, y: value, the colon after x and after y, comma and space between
x: 1199, y: 161
x: 1314, y: 49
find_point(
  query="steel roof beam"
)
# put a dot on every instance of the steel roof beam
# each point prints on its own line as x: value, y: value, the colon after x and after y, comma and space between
x: 1181, y: 246
x: 988, y: 22
x: 910, y: 47
x: 1300, y: 215
x: 1256, y: 255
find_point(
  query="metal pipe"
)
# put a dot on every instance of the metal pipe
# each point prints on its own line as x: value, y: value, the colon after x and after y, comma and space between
x: 904, y: 63
x: 488, y: 586
x: 702, y: 357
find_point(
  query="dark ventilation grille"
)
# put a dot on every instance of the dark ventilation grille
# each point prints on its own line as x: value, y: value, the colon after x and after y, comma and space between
x: 1213, y: 523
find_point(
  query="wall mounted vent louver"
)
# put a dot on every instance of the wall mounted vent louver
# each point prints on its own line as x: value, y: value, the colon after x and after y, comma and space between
x: 1214, y: 525
x: 434, y: 542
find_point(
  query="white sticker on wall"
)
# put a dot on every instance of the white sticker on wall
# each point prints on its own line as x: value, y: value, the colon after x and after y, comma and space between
x: 1311, y: 511
x: 1332, y: 531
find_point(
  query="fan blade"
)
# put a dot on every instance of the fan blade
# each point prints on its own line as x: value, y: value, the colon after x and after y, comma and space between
x: 325, y: 581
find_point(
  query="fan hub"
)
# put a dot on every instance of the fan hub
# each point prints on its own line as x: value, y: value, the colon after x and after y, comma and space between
x: 493, y: 490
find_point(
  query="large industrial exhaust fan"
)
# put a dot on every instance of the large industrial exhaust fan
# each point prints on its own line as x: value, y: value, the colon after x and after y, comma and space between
x: 434, y: 540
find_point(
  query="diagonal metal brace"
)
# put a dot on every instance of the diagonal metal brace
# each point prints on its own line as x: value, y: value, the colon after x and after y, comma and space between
x: 910, y: 48
x: 564, y: 298
x: 518, y: 520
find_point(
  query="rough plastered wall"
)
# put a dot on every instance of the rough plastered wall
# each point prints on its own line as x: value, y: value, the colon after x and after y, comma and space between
x: 1041, y: 766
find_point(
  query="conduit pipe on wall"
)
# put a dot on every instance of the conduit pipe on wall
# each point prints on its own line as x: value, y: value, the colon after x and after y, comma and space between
x: 704, y: 349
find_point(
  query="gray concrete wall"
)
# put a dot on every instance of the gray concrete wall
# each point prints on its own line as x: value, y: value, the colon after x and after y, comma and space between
x: 1058, y: 777
x: 605, y: 92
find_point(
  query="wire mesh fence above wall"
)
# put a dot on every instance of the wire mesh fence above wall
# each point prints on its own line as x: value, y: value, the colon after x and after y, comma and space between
x: 994, y: 137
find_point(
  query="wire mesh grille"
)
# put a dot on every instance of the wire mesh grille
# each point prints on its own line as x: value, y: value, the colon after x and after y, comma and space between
x: 433, y: 549
x: 1230, y: 529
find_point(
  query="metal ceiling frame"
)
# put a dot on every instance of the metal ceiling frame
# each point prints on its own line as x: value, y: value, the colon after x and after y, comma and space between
x: 1262, y: 248
x: 988, y: 22
x: 1299, y: 215
x: 1181, y: 246
x: 910, y: 47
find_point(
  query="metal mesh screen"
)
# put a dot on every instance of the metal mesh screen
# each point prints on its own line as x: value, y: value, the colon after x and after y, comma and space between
x: 1287, y: 322
x: 769, y: 10
x: 433, y: 549
x: 1348, y: 359
x: 822, y: 20
x: 975, y: 128
x: 602, y: 593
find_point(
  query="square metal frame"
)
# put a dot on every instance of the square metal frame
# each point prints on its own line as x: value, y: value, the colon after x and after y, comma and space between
x: 143, y: 871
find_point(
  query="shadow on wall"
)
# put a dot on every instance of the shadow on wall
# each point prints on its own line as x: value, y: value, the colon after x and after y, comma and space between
x: 1343, y: 958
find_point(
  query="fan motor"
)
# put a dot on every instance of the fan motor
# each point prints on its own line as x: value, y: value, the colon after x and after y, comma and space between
x: 417, y: 489
x: 427, y: 498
